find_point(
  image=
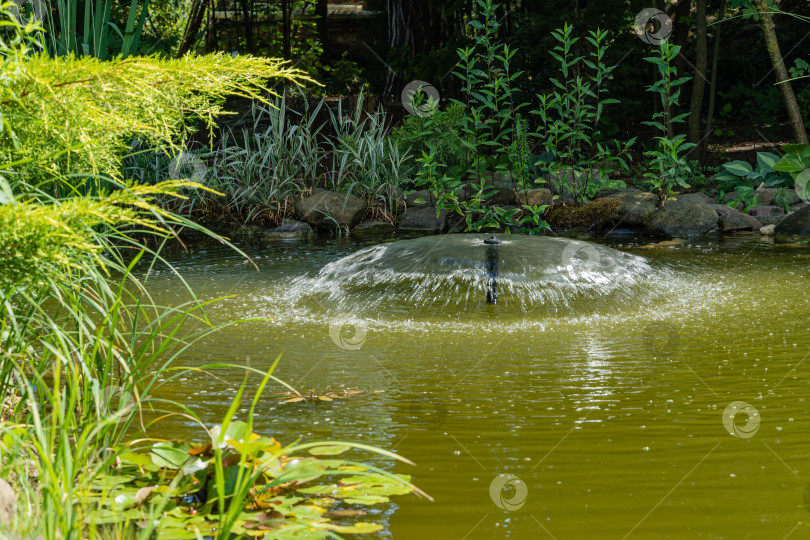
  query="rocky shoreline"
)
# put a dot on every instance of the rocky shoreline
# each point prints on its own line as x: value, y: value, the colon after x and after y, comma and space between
x: 689, y: 215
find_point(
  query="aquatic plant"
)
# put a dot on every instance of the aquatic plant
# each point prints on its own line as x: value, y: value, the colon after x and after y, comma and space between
x: 82, y: 345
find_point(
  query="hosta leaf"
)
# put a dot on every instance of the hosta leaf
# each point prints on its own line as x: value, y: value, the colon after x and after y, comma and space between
x: 766, y: 161
x: 740, y: 168
x: 790, y: 163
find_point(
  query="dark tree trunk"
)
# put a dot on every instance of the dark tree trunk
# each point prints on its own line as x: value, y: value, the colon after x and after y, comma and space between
x: 286, y: 28
x: 699, y: 82
x: 704, y: 147
x: 195, y: 21
x: 322, y: 12
x: 415, y: 28
x: 248, y: 27
x: 772, y: 44
x: 680, y: 31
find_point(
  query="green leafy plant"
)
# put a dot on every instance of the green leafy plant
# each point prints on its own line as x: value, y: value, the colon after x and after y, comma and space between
x: 796, y: 163
x: 579, y: 156
x: 442, y: 132
x: 491, y: 97
x: 78, y: 327
x: 669, y: 167
x: 365, y: 160
x: 442, y: 187
x: 737, y: 173
x: 532, y: 221
x: 93, y: 32
x: 345, y: 78
x: 67, y: 115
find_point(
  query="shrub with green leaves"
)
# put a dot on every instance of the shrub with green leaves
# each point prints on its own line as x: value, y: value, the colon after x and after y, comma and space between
x: 571, y: 117
x: 669, y: 168
x: 796, y: 163
x: 442, y: 132
x: 67, y: 115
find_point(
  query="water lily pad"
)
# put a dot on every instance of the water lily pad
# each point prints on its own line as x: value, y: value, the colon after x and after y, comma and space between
x: 170, y: 454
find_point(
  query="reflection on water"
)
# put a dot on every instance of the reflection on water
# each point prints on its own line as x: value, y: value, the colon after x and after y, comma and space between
x: 610, y: 414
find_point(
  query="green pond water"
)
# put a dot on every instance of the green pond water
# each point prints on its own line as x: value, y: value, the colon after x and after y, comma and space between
x: 607, y: 410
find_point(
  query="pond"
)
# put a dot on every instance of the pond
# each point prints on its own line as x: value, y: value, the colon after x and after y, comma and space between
x: 674, y: 407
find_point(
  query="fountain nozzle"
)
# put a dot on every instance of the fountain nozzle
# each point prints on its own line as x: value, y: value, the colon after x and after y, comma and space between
x: 492, y: 241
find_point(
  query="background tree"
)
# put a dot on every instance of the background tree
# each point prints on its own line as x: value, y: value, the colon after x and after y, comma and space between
x: 783, y: 80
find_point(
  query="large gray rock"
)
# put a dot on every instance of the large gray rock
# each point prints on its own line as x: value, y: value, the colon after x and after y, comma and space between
x: 768, y: 214
x: 696, y: 197
x: 289, y: 229
x: 769, y: 196
x: 420, y: 199
x: 329, y: 209
x: 636, y: 207
x: 499, y: 177
x: 608, y: 192
x: 423, y: 220
x: 504, y: 195
x: 374, y: 228
x: 680, y: 218
x: 533, y: 197
x: 732, y: 220
x: 797, y: 222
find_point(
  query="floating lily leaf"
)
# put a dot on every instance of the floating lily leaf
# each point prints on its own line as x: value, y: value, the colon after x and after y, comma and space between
x: 347, y: 513
x: 364, y: 489
x: 256, y: 446
x: 200, y: 450
x: 170, y: 454
x: 195, y: 466
x: 283, y: 503
x: 236, y: 431
x: 139, y: 459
